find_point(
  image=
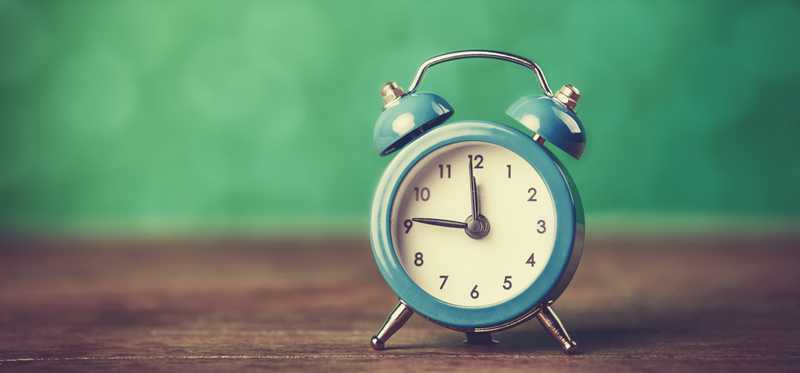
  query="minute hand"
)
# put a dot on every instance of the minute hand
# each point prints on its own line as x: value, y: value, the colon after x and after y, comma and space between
x: 441, y: 222
x: 473, y: 191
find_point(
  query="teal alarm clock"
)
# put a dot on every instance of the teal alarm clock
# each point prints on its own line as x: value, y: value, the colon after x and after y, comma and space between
x: 476, y: 225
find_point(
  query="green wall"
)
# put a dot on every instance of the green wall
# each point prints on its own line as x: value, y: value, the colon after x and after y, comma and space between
x: 141, y: 116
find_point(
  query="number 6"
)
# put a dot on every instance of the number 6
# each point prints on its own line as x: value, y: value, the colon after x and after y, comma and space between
x: 474, y: 293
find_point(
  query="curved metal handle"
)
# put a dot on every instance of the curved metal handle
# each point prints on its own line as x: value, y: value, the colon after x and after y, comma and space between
x: 458, y: 55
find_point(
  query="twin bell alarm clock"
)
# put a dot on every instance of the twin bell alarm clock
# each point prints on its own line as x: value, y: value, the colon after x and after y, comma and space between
x: 476, y: 225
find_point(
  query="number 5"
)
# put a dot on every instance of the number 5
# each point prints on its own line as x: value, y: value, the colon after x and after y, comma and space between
x: 507, y: 283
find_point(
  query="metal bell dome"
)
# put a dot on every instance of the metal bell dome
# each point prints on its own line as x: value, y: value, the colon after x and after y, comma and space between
x: 406, y: 117
x: 553, y: 118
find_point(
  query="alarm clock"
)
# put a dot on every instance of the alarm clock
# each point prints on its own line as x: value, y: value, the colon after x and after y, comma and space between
x: 476, y: 225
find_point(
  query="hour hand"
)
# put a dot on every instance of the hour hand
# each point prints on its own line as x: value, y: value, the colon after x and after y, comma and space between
x: 441, y: 222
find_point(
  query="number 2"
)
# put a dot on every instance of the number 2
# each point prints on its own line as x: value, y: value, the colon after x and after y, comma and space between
x: 532, y: 191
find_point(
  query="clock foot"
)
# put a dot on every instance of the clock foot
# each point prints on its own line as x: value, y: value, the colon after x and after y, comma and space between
x: 394, y: 322
x: 482, y: 338
x: 549, y: 320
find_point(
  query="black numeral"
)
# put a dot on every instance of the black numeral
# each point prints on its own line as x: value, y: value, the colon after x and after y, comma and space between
x: 408, y: 223
x: 542, y: 228
x: 422, y: 194
x: 532, y: 192
x: 531, y: 261
x: 508, y: 166
x: 476, y: 161
x: 474, y: 293
x: 418, y: 259
x: 444, y: 280
x: 507, y: 283
x: 444, y: 171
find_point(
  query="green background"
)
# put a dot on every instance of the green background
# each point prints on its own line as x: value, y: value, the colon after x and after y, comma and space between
x: 256, y: 116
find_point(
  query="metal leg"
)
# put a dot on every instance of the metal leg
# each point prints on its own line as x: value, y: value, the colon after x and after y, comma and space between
x: 549, y: 320
x: 393, y: 323
x: 482, y: 338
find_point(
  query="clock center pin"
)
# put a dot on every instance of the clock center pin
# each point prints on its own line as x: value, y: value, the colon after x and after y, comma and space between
x: 477, y: 228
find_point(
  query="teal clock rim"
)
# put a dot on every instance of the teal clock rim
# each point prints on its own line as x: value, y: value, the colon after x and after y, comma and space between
x: 389, y: 264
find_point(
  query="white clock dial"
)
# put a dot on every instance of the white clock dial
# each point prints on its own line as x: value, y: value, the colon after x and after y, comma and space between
x: 449, y: 264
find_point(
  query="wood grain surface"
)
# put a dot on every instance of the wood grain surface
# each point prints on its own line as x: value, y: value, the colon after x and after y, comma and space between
x: 636, y: 304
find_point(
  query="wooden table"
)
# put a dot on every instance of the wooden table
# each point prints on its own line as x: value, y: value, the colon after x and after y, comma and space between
x: 636, y: 304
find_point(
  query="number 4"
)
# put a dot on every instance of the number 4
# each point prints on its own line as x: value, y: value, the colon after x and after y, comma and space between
x: 530, y: 260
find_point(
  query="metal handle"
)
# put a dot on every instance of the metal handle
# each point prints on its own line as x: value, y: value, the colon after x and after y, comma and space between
x: 458, y: 55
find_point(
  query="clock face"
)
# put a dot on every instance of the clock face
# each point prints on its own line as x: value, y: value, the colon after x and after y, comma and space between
x: 433, y: 203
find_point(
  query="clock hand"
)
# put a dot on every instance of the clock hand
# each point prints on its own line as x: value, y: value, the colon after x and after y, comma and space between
x: 473, y: 192
x: 477, y: 224
x: 441, y: 222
